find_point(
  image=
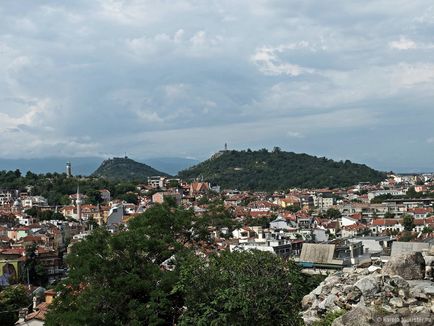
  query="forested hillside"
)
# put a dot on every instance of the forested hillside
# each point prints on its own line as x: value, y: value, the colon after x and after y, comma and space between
x: 268, y: 171
x: 125, y: 169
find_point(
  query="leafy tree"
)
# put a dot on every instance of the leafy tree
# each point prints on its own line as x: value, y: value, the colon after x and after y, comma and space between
x: 293, y: 208
x: 37, y: 273
x: 12, y: 298
x: 408, y: 222
x: 129, y: 198
x: 93, y: 197
x: 242, y: 288
x: 117, y: 280
x: 427, y: 229
x: 389, y: 215
x: 333, y: 214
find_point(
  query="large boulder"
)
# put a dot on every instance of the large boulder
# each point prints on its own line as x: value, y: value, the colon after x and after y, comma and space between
x: 368, y: 285
x: 410, y: 266
x: 358, y: 316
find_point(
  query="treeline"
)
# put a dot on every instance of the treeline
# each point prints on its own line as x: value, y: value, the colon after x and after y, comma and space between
x: 278, y: 170
x: 151, y: 275
x: 56, y: 187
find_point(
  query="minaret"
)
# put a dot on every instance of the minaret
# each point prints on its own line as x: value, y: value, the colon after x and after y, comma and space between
x: 68, y: 170
x: 78, y: 203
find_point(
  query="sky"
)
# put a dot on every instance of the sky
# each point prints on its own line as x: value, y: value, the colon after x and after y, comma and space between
x: 180, y: 78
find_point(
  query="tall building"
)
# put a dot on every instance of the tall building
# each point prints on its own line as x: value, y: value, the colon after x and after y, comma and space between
x: 68, y: 170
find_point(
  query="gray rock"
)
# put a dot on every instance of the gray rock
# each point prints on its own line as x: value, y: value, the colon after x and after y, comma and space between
x: 411, y: 301
x: 418, y: 309
x: 372, y: 269
x: 328, y: 303
x: 308, y: 300
x: 318, y: 289
x: 402, y: 293
x: 396, y: 302
x: 368, y: 285
x: 398, y: 281
x: 310, y: 317
x: 410, y: 266
x: 358, y: 316
x: 335, y: 290
x: 354, y: 295
x: 429, y: 290
x: 389, y: 320
x: 338, y: 322
x: 424, y: 318
x: 388, y: 308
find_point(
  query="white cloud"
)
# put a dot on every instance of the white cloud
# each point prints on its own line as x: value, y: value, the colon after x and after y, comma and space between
x: 403, y: 44
x: 269, y: 63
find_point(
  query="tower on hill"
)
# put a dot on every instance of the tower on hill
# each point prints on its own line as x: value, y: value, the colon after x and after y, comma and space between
x: 68, y: 170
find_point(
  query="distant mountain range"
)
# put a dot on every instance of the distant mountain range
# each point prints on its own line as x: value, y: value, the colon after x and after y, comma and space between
x: 87, y: 165
x: 268, y: 171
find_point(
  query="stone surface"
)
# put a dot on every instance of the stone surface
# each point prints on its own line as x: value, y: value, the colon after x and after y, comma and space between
x: 371, y: 299
x: 328, y: 303
x: 354, y: 295
x: 372, y: 269
x: 396, y: 302
x: 368, y: 285
x: 308, y: 300
x: 410, y: 266
x: 358, y: 316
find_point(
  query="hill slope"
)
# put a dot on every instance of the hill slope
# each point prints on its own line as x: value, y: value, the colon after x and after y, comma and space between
x: 125, y: 169
x: 263, y: 170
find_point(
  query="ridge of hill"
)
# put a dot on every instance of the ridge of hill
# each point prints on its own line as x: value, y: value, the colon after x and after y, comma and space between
x: 278, y: 170
x: 124, y: 168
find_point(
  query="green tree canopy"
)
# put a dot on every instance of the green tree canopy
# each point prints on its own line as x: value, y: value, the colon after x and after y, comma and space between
x: 242, y: 288
x: 12, y: 299
x: 408, y: 222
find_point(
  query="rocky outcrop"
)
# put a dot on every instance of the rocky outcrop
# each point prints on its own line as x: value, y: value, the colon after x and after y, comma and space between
x: 375, y: 296
x: 408, y: 266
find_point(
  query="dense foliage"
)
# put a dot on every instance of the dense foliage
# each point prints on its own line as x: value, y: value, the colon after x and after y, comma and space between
x: 12, y: 299
x: 119, y: 280
x: 242, y: 288
x: 125, y: 169
x: 56, y: 187
x: 269, y: 171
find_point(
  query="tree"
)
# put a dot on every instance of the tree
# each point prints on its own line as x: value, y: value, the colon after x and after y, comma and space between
x: 129, y: 198
x: 333, y: 214
x: 427, y: 229
x: 94, y: 197
x: 37, y: 273
x: 408, y: 222
x: 242, y: 288
x: 117, y: 279
x: 12, y: 299
x: 389, y: 215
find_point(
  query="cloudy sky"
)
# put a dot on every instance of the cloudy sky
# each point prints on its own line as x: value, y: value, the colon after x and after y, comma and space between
x: 342, y: 79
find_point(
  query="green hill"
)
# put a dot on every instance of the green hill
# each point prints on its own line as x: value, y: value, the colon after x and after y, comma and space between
x: 124, y: 168
x: 278, y: 170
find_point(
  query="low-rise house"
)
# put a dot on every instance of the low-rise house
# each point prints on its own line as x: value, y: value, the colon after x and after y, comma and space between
x: 159, y: 197
x: 381, y: 225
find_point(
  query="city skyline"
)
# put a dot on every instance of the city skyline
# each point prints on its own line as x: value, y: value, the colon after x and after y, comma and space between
x: 154, y: 79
